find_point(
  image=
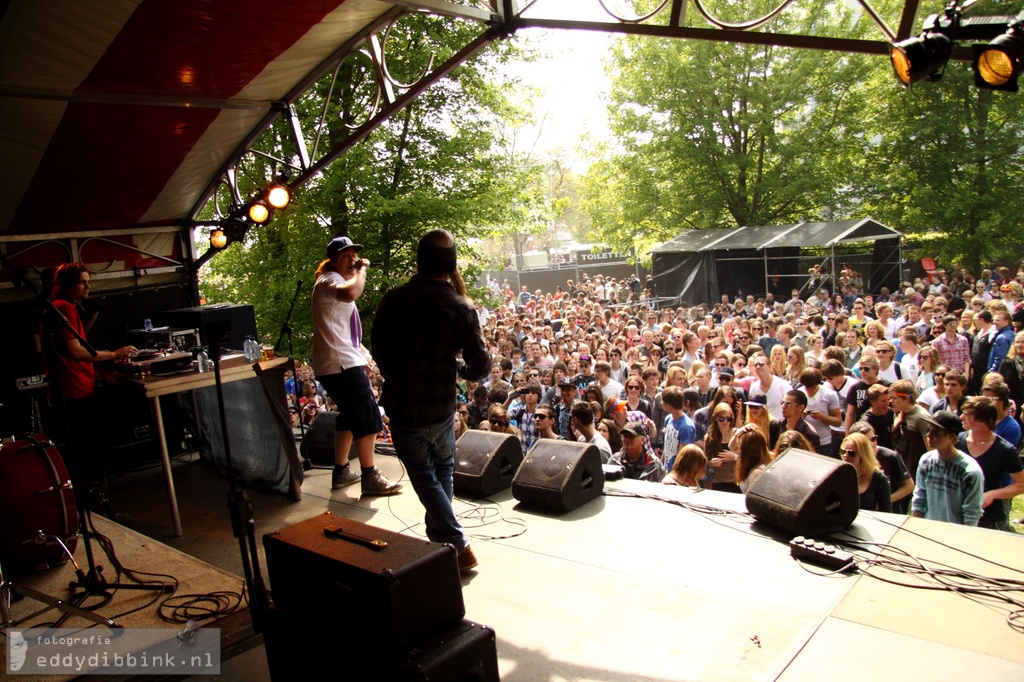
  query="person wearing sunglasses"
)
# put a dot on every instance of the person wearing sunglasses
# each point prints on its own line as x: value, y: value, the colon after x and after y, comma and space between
x: 721, y: 460
x: 901, y: 485
x: 872, y: 483
x: 950, y: 484
x: 545, y: 421
x: 637, y: 461
x: 793, y: 407
x: 857, y: 399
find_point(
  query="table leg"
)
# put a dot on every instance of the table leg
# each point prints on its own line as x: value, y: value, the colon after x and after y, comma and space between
x: 165, y: 460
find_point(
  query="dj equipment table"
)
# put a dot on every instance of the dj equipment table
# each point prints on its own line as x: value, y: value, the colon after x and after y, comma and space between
x: 233, y: 368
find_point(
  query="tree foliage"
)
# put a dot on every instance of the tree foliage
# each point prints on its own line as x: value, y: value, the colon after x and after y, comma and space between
x: 434, y: 164
x: 947, y: 157
x: 723, y: 135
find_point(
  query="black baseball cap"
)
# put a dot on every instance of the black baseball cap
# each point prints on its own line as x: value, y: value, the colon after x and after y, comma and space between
x: 339, y: 244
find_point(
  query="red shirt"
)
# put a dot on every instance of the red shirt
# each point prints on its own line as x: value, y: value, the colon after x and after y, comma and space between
x: 78, y: 379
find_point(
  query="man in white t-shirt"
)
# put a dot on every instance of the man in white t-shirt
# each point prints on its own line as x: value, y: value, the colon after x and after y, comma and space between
x: 823, y: 408
x: 773, y: 387
x: 339, y: 361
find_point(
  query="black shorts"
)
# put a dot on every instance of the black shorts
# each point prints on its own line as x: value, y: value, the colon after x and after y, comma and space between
x: 357, y: 409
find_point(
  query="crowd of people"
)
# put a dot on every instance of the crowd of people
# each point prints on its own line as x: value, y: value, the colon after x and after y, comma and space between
x: 918, y: 389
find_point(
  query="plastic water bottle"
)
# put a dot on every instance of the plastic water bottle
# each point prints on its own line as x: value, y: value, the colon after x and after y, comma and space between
x: 147, y: 324
x: 252, y: 349
x: 203, y: 361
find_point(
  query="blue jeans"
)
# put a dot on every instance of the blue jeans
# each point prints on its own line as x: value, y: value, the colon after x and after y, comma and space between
x: 428, y: 453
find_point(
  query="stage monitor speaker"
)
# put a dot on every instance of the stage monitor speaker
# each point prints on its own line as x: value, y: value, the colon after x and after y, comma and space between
x: 805, y: 493
x: 486, y: 462
x: 318, y: 442
x: 559, y: 475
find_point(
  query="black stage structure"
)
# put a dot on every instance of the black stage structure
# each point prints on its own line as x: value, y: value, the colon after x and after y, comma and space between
x: 701, y: 265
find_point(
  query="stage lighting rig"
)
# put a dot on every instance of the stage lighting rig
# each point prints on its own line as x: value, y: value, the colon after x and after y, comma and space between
x: 997, y: 65
x: 230, y: 231
x: 925, y: 55
x: 275, y: 197
x: 279, y: 195
x: 259, y: 212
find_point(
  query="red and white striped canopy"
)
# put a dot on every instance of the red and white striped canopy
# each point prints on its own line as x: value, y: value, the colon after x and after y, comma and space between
x: 119, y: 113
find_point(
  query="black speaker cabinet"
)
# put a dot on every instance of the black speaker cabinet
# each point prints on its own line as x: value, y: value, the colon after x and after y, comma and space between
x: 394, y: 589
x: 485, y: 462
x: 465, y: 652
x: 241, y: 317
x: 318, y: 441
x: 805, y: 493
x: 559, y: 475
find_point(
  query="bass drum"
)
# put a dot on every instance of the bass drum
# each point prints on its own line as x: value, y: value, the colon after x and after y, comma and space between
x: 36, y: 497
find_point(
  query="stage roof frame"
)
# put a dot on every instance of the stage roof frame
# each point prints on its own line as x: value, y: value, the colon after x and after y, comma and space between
x: 126, y: 115
x: 801, y: 235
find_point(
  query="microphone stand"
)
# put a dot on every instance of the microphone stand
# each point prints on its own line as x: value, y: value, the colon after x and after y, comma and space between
x: 286, y: 329
x: 240, y: 506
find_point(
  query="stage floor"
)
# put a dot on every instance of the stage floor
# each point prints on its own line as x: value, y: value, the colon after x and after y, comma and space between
x: 639, y: 589
x: 625, y: 588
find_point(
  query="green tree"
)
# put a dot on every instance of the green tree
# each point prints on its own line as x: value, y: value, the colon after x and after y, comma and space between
x: 434, y: 164
x: 947, y: 157
x: 712, y: 134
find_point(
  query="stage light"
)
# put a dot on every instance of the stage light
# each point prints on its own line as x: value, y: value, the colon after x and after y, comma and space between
x: 218, y: 239
x: 997, y: 65
x: 258, y: 211
x: 279, y: 196
x: 921, y: 57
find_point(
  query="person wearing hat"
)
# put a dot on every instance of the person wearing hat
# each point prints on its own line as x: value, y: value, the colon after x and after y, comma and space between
x: 339, y: 362
x: 563, y: 409
x: 949, y: 483
x: 586, y: 375
x: 420, y: 329
x: 634, y: 458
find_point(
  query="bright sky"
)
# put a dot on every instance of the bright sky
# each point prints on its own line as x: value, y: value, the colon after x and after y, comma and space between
x: 572, y: 81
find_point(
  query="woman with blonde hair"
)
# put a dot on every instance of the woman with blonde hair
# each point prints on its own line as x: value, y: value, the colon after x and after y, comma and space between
x: 815, y: 349
x: 691, y: 374
x: 928, y: 360
x: 460, y: 425
x: 873, y: 333
x: 796, y: 363
x: 777, y: 361
x: 676, y: 376
x: 872, y: 482
x: 1012, y: 371
x: 499, y: 422
x: 688, y: 468
x: 757, y: 414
